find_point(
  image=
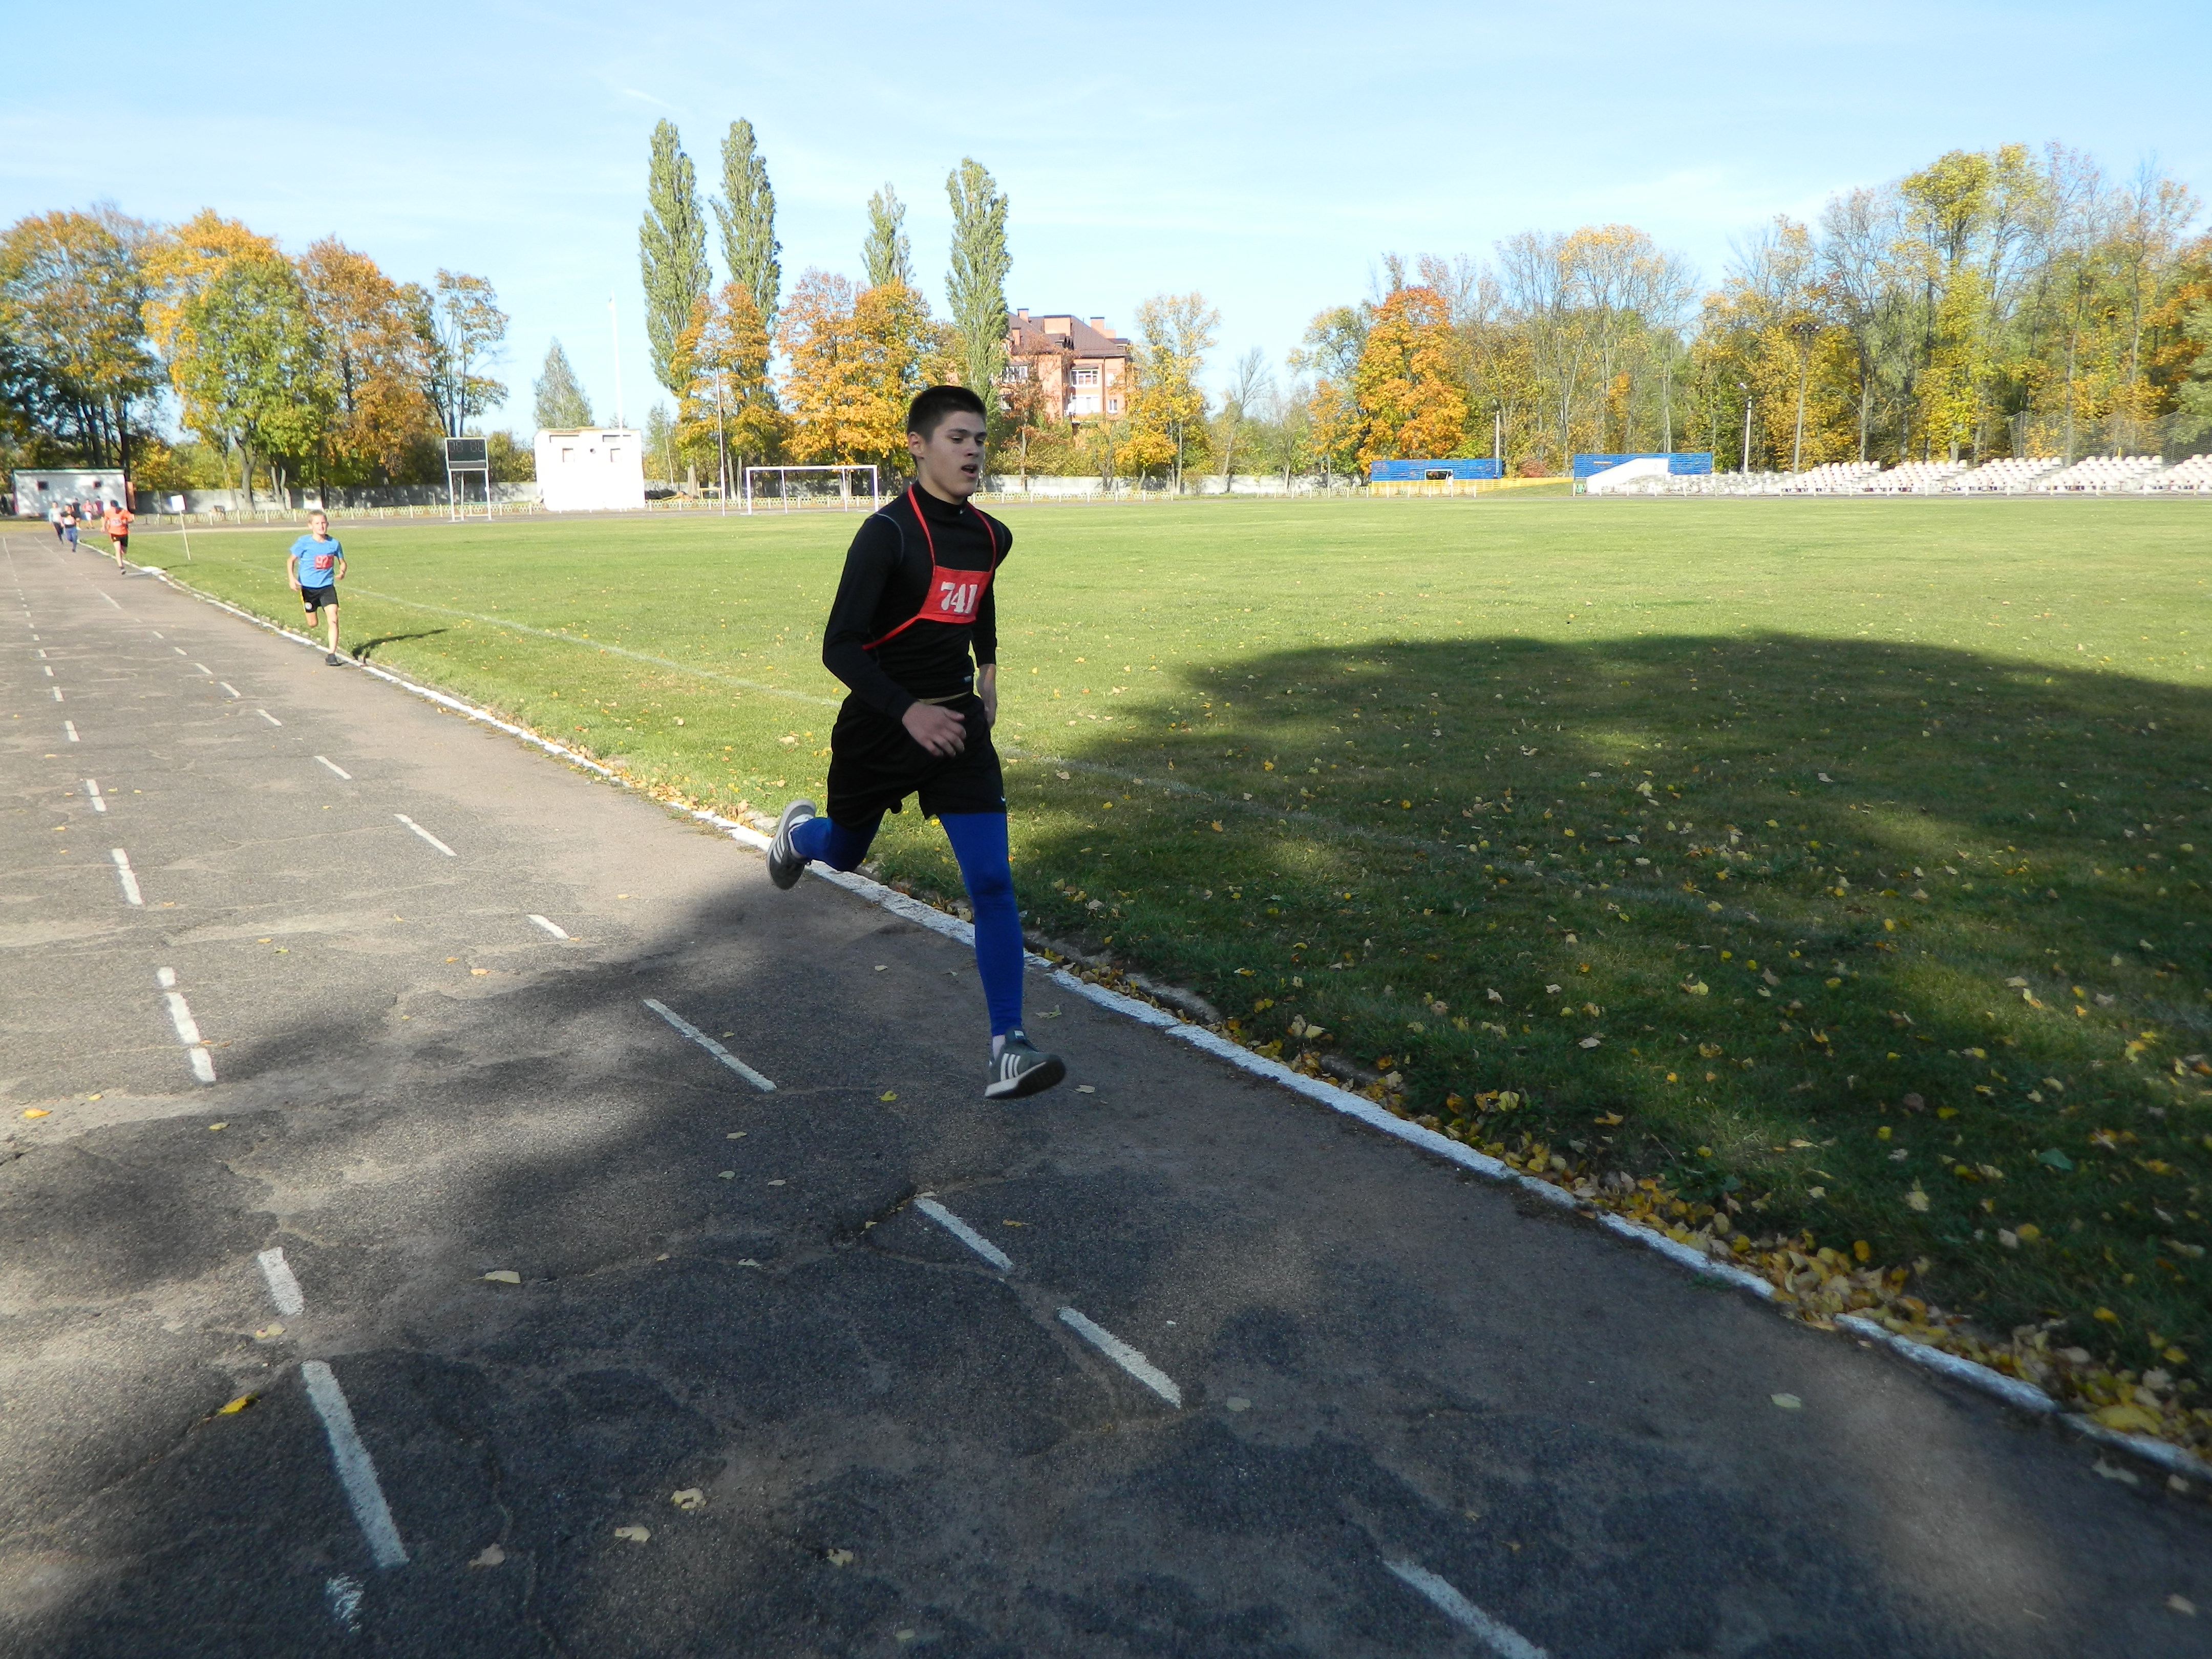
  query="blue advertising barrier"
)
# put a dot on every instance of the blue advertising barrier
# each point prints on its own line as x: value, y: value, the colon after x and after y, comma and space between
x: 1680, y: 464
x: 1420, y: 472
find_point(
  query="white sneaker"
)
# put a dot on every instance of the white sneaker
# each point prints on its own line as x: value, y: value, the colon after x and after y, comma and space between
x: 785, y: 866
x: 1018, y: 1069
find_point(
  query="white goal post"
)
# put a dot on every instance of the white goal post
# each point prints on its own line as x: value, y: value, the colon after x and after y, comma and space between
x: 845, y: 479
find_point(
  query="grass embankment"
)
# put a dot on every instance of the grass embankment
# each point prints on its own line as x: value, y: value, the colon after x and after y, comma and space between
x: 1835, y: 868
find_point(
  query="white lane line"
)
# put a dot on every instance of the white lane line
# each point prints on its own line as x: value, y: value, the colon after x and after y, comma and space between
x: 109, y: 598
x: 188, y: 1028
x: 159, y: 634
x: 335, y: 768
x: 426, y: 835
x: 123, y: 874
x: 356, y: 1473
x: 179, y: 649
x: 92, y: 788
x: 1501, y: 1639
x: 711, y: 1046
x: 283, y: 1284
x: 205, y: 669
x: 270, y: 718
x: 58, y: 694
x: 552, y: 927
x: 1124, y: 1356
x: 229, y: 687
x: 966, y: 1234
x: 50, y: 667
x: 69, y: 726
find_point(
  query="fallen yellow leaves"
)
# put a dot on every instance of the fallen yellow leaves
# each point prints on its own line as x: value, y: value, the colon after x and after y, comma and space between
x: 634, y: 1534
x: 238, y: 1405
x: 690, y: 1499
x: 503, y: 1276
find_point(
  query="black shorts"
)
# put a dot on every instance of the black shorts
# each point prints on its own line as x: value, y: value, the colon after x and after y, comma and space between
x: 874, y: 765
x: 315, y: 598
x: 122, y: 540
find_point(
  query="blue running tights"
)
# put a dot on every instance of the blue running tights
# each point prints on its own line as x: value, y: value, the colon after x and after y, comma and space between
x: 979, y: 842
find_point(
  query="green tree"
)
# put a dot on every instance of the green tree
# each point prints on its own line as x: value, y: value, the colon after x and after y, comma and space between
x: 461, y: 327
x: 746, y: 210
x: 74, y: 357
x: 977, y: 284
x: 886, y: 253
x: 671, y: 248
x: 253, y: 372
x: 560, y: 401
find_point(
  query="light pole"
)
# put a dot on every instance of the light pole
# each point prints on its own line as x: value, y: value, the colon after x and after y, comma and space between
x: 1745, y: 467
x: 1804, y: 328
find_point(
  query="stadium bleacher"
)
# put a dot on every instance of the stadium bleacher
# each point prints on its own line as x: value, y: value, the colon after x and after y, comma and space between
x: 2098, y: 475
x: 2190, y: 477
x: 1831, y: 478
x: 2005, y: 477
x: 1916, y: 478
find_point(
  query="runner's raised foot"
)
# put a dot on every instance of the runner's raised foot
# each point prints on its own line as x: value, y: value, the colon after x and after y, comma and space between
x: 785, y: 866
x: 1019, y: 1069
x: 334, y: 659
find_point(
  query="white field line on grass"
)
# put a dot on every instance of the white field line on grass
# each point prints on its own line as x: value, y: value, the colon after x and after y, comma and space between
x: 1343, y: 1101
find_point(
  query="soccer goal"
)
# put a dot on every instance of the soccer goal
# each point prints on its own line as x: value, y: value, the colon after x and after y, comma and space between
x: 806, y: 494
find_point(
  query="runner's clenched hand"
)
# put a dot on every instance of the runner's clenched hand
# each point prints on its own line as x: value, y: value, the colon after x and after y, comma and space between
x: 935, y: 729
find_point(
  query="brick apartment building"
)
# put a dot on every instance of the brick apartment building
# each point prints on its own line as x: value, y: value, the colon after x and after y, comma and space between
x: 1080, y: 367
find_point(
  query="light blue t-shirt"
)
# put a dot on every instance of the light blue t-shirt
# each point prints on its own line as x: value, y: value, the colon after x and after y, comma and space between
x: 316, y: 562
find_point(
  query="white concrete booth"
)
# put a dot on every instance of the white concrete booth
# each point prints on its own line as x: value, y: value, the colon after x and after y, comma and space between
x: 39, y: 490
x: 593, y: 469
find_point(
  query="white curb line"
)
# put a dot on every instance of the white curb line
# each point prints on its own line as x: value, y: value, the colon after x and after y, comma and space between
x: 2021, y: 1396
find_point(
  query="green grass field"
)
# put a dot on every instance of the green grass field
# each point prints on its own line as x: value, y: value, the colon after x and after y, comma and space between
x: 1838, y: 865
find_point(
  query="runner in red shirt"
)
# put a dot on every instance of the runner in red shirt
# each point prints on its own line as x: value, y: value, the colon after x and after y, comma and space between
x: 116, y: 521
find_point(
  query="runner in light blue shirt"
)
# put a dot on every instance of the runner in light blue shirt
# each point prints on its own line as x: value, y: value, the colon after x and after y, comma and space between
x: 313, y: 566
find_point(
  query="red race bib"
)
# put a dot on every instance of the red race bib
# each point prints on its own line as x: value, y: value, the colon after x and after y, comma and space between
x: 954, y: 595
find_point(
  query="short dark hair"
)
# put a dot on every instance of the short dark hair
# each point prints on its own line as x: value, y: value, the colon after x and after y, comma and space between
x: 932, y: 404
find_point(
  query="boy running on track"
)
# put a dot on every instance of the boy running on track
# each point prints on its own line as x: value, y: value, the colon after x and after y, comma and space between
x: 913, y: 633
x: 313, y: 566
x: 116, y: 521
x: 69, y: 522
x: 54, y: 518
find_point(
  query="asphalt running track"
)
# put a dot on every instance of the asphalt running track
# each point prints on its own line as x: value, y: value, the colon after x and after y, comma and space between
x: 1183, y: 1365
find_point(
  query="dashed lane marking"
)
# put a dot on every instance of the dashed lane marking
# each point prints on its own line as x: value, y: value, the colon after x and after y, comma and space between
x: 99, y: 801
x: 188, y: 1028
x: 270, y: 718
x: 205, y: 669
x: 283, y: 1284
x: 1124, y: 1356
x: 50, y: 667
x: 553, y: 928
x: 966, y: 1234
x: 179, y: 649
x: 335, y: 768
x: 229, y: 687
x: 110, y: 597
x: 426, y: 835
x: 1501, y: 1639
x: 711, y: 1046
x: 69, y: 726
x: 356, y: 1471
x: 58, y: 694
x: 123, y: 874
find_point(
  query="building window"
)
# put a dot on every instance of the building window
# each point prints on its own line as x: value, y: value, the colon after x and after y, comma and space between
x: 1086, y: 377
x: 1083, y: 403
x: 1112, y: 406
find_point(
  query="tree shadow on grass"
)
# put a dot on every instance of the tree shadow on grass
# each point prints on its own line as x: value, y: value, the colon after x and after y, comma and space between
x: 1887, y: 941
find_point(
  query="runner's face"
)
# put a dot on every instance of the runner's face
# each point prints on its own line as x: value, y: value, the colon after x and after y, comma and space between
x: 320, y: 527
x: 951, y: 459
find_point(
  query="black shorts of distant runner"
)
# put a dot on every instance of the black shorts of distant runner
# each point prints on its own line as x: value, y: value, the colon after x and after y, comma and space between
x: 315, y: 598
x: 874, y: 765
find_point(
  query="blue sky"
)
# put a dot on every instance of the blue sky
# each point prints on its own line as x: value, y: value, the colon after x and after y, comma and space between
x: 1266, y: 154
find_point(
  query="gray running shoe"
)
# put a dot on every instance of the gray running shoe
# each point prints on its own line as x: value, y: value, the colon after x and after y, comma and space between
x: 1021, y: 1070
x: 785, y: 866
x: 331, y: 658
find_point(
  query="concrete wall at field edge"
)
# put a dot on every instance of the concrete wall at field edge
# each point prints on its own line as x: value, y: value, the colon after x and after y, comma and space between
x: 335, y: 498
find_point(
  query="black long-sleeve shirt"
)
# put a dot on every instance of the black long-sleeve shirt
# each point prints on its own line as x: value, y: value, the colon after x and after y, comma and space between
x: 886, y: 581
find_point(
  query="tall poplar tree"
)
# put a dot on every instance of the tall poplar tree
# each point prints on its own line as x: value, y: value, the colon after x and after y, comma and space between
x: 977, y: 284
x: 887, y: 254
x: 746, y: 210
x: 672, y: 249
